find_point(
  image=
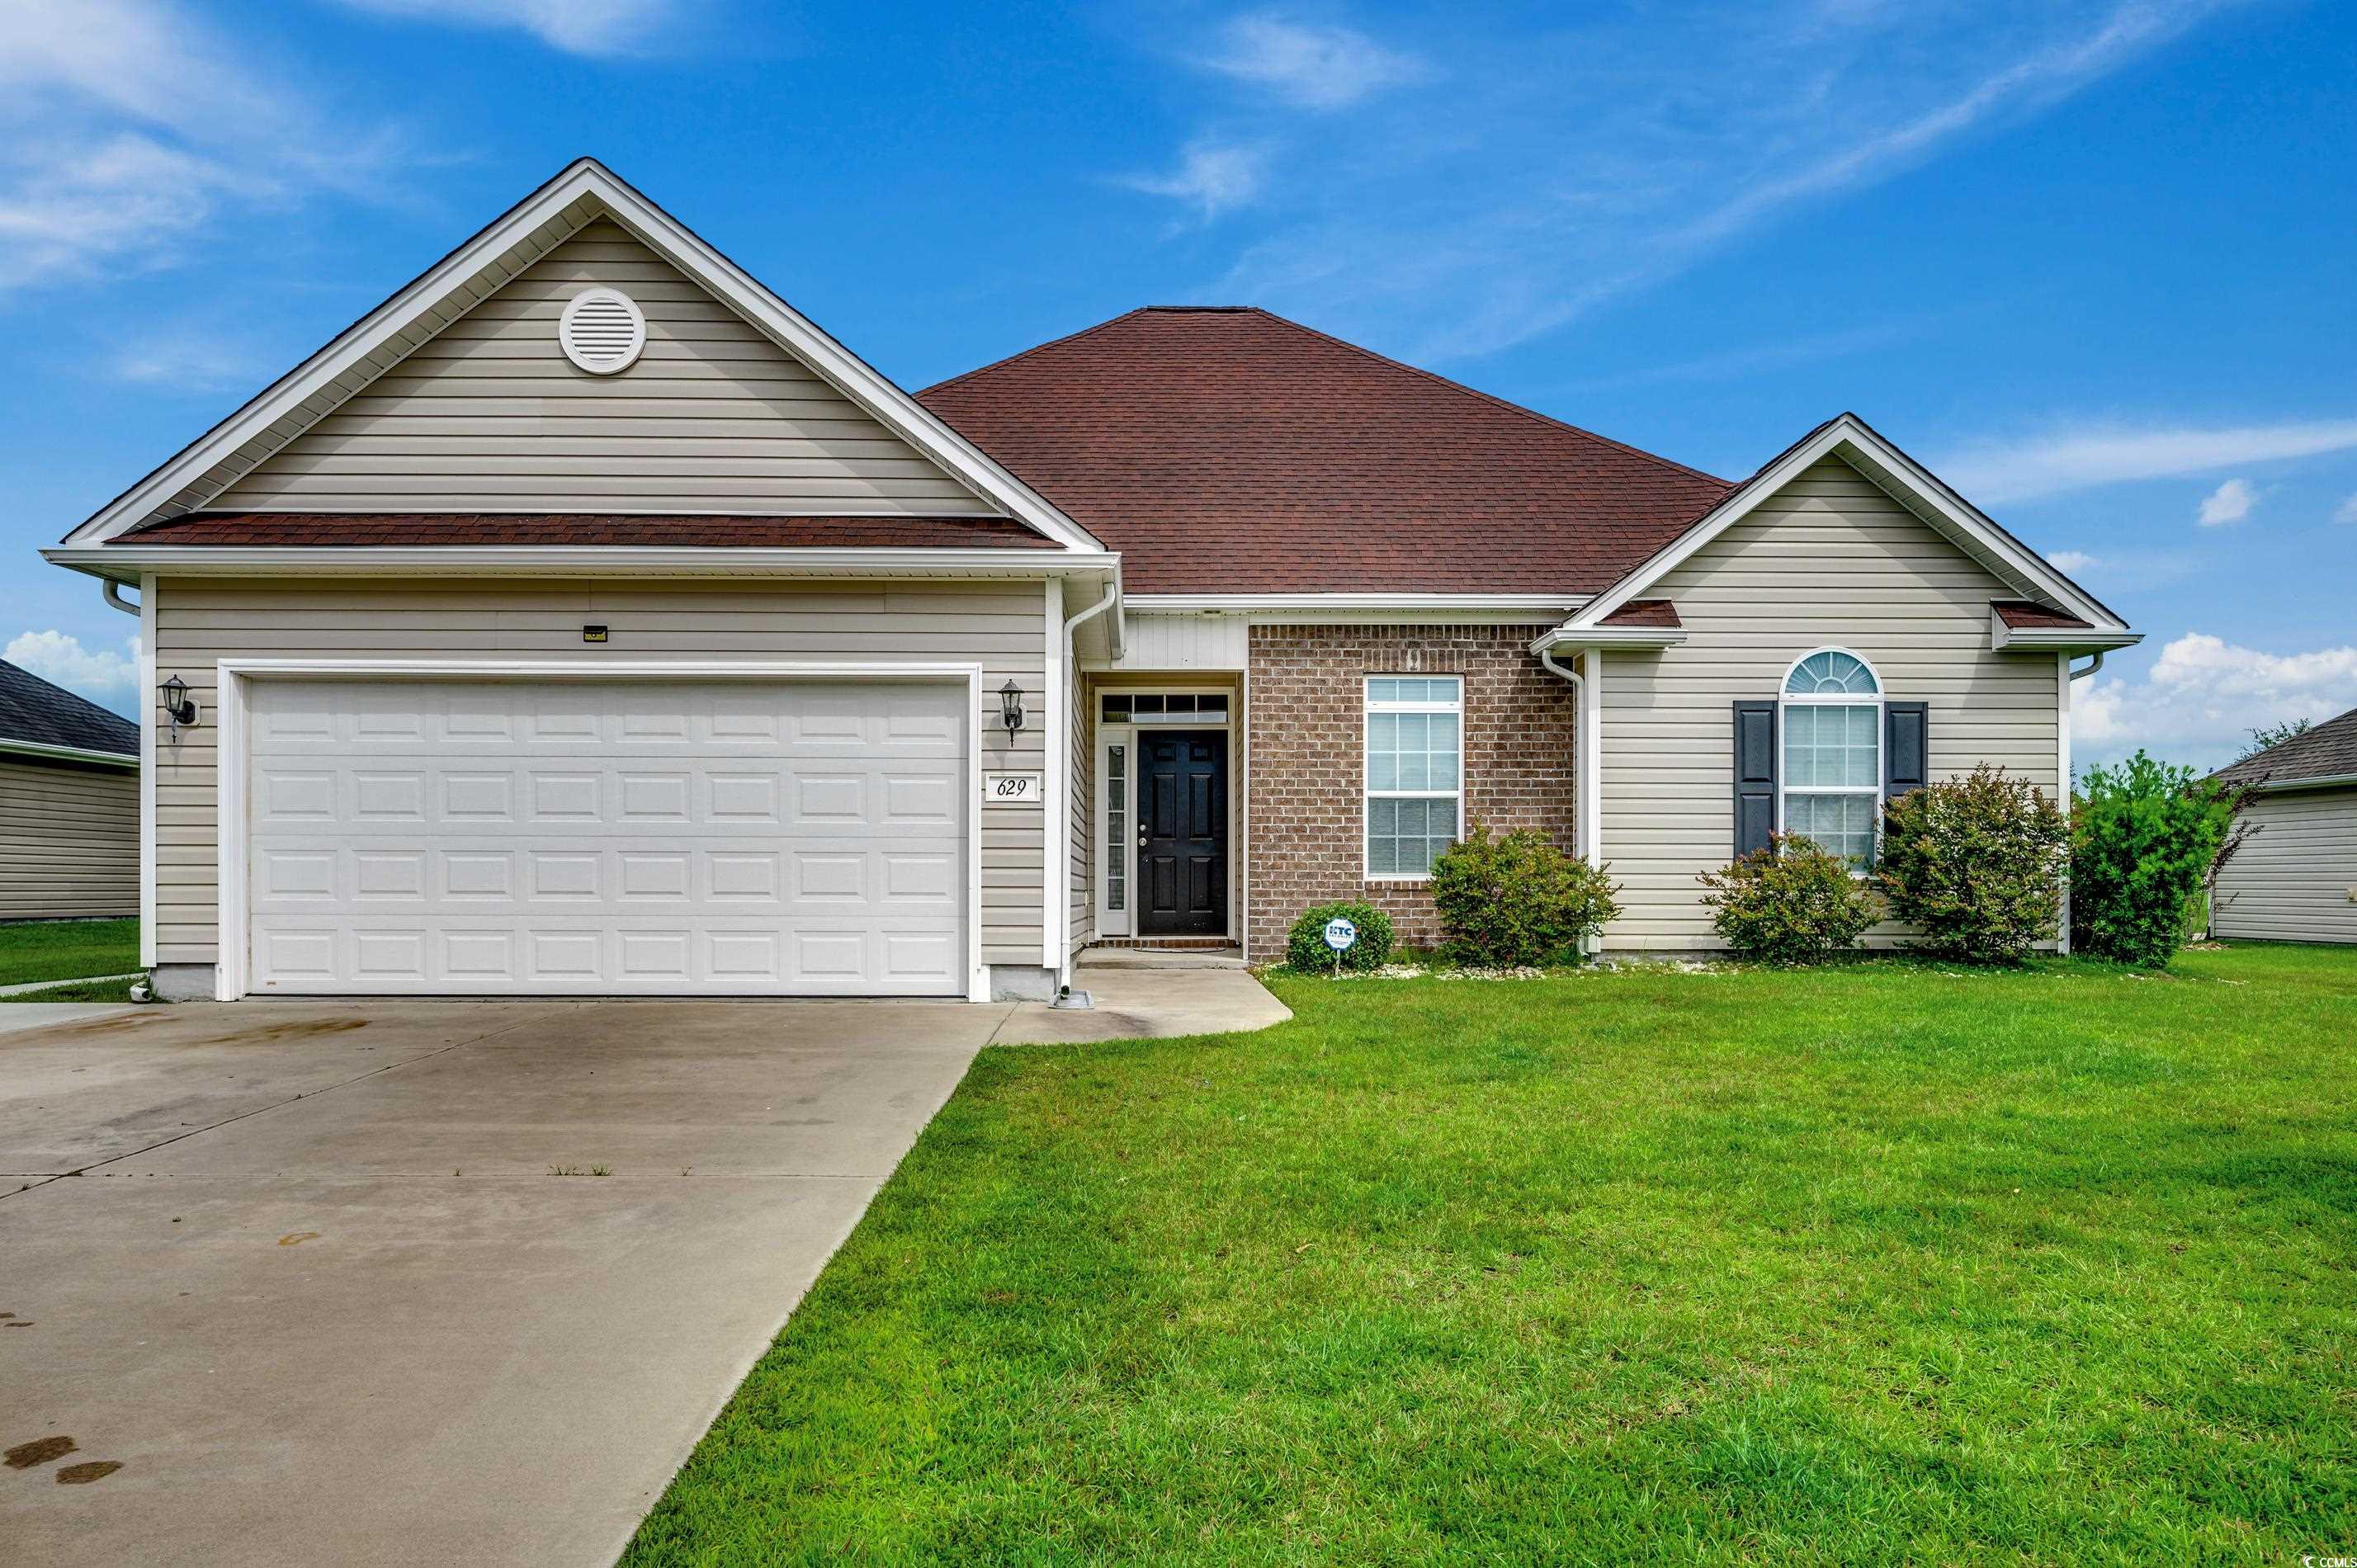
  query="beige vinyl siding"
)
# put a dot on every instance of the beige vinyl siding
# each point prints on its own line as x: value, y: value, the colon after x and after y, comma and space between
x: 68, y: 840
x: 2295, y: 878
x: 199, y: 621
x: 1830, y: 560
x: 489, y: 414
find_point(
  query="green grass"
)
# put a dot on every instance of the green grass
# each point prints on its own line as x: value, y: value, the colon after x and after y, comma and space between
x: 1883, y: 1262
x: 67, y: 949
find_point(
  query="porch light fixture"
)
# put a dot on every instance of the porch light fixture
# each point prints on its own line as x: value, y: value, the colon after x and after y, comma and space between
x: 1010, y: 708
x: 178, y: 703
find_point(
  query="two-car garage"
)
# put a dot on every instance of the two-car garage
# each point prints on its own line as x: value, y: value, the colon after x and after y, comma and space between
x: 668, y: 834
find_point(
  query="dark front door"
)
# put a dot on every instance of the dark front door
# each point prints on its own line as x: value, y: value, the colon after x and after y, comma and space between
x: 1182, y: 832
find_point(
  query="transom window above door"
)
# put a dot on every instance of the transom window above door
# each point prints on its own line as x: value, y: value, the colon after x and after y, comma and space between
x: 1416, y: 772
x: 1126, y: 707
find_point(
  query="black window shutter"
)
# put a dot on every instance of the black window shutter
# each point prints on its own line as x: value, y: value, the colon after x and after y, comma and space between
x: 1755, y: 776
x: 1906, y: 748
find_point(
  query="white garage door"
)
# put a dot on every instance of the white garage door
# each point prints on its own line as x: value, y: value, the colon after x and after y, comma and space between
x: 628, y: 837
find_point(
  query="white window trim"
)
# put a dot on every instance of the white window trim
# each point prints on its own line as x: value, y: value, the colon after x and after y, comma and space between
x: 1368, y: 709
x: 1786, y: 699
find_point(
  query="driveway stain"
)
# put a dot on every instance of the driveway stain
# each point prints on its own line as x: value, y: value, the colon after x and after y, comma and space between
x: 83, y: 1475
x: 40, y: 1451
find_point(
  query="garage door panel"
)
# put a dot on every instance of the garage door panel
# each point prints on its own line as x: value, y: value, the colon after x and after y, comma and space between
x: 607, y: 838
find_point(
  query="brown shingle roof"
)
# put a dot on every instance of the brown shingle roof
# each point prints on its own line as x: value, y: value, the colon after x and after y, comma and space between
x: 1659, y: 613
x: 2327, y: 751
x: 2023, y: 616
x: 1233, y: 451
x: 381, y: 529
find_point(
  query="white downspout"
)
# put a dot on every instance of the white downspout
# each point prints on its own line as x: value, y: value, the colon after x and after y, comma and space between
x: 1582, y: 829
x: 114, y: 596
x: 1063, y: 906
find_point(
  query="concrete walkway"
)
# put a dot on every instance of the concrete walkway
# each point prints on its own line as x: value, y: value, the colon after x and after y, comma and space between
x: 1134, y: 1001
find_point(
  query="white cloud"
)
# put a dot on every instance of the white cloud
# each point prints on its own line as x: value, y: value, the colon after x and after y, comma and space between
x: 2204, y: 695
x: 576, y: 27
x: 2079, y: 459
x: 183, y: 357
x: 1599, y: 157
x: 1311, y: 66
x: 127, y: 125
x: 2347, y: 511
x: 1211, y: 177
x: 103, y: 676
x: 2229, y: 503
x: 2072, y: 561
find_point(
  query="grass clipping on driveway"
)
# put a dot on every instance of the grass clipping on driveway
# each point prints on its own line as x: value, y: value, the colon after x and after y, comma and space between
x: 1883, y: 1262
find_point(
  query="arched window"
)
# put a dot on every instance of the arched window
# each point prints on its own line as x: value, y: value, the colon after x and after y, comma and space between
x: 1832, y: 773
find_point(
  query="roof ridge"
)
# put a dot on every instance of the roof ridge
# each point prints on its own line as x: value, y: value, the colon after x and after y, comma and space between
x: 1036, y: 349
x: 1492, y: 398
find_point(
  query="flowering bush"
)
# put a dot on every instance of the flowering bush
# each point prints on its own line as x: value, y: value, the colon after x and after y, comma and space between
x: 1975, y: 863
x: 1517, y: 899
x: 1789, y: 903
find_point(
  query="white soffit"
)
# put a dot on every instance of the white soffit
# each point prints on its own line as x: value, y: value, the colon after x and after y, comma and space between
x: 584, y: 190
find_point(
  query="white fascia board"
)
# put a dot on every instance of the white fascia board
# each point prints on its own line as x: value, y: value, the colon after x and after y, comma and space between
x: 125, y: 562
x: 2322, y: 781
x: 2056, y: 638
x: 1909, y: 483
x: 1274, y: 610
x: 1611, y: 637
x: 70, y: 754
x: 587, y: 178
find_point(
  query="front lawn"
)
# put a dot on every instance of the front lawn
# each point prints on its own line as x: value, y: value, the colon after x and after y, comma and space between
x: 1883, y: 1262
x: 67, y: 949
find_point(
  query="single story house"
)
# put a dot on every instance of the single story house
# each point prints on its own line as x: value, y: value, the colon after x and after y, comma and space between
x: 68, y: 804
x: 2294, y: 878
x: 587, y: 620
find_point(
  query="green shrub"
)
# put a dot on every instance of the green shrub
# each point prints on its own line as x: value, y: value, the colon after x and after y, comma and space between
x: 1306, y: 948
x: 1975, y: 863
x: 2143, y: 838
x: 1790, y: 903
x: 1517, y: 899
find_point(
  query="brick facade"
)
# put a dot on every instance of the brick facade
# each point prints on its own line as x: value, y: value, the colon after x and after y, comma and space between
x: 1308, y: 725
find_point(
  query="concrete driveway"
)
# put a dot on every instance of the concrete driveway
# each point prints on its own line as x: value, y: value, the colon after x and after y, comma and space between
x: 316, y: 1289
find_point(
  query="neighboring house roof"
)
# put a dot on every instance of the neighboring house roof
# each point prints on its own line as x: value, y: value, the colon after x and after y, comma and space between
x: 1645, y: 612
x: 447, y: 529
x: 2021, y: 615
x: 36, y: 713
x: 2327, y: 751
x: 1228, y: 450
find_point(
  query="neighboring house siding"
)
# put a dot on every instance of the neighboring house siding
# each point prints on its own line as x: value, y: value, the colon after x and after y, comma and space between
x: 490, y: 415
x: 199, y: 621
x: 68, y: 840
x: 1307, y: 727
x: 2295, y: 878
x: 1831, y: 560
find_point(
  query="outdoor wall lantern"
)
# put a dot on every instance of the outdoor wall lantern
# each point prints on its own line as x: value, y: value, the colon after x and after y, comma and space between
x: 1010, y: 708
x: 178, y: 703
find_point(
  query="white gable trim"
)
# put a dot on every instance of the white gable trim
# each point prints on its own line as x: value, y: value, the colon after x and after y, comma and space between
x: 584, y: 190
x: 1850, y: 439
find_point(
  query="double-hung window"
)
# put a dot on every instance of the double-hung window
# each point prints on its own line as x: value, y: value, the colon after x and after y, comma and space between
x: 1833, y: 754
x: 1416, y: 772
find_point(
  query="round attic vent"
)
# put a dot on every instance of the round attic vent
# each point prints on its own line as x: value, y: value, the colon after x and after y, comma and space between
x: 602, y: 332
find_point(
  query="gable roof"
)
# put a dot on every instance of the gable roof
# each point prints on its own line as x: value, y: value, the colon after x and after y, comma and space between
x: 1231, y: 451
x: 2327, y: 751
x: 1853, y: 441
x: 36, y: 715
x: 583, y: 191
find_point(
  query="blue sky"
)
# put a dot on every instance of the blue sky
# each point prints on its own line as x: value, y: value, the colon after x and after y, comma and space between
x: 2089, y: 259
